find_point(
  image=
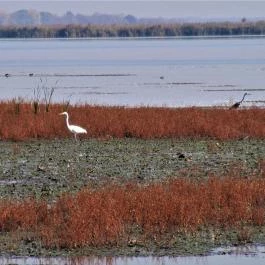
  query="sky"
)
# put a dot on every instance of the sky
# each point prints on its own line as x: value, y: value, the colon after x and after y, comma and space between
x: 145, y: 8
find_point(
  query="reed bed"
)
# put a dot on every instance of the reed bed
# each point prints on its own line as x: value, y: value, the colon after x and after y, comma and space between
x: 19, y: 121
x: 109, y: 215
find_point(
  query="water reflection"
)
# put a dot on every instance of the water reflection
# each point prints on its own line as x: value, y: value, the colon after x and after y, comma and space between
x: 254, y: 255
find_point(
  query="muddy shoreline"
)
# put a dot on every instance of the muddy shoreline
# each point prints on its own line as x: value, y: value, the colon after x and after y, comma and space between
x: 44, y: 169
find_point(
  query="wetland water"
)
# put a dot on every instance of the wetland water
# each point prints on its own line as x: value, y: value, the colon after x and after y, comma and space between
x: 154, y: 72
x: 230, y: 256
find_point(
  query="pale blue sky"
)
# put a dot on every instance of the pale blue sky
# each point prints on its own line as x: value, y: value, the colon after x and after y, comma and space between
x: 147, y: 8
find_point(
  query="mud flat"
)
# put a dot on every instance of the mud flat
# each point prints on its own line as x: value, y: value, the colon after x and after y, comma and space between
x: 245, y: 255
x: 44, y: 169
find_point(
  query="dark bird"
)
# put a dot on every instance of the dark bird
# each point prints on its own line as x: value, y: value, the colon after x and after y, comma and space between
x: 181, y: 155
x: 7, y: 75
x: 30, y: 74
x: 237, y: 104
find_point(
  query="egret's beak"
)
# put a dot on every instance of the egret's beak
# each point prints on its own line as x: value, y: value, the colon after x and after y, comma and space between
x: 61, y: 113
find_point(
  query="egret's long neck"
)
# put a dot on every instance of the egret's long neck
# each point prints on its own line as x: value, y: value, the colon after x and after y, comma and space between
x: 67, y: 120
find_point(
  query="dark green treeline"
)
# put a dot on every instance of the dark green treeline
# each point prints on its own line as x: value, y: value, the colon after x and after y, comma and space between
x: 163, y: 30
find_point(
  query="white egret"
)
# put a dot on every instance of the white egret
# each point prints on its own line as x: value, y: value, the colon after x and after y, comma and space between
x: 73, y: 128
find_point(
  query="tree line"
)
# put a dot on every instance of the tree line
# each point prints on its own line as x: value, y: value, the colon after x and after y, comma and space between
x: 144, y: 30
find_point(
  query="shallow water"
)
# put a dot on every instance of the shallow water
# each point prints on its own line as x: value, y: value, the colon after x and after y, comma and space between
x: 160, y: 72
x: 254, y: 255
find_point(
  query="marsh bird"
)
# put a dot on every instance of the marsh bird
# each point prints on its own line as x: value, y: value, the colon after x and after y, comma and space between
x: 73, y: 128
x: 237, y: 104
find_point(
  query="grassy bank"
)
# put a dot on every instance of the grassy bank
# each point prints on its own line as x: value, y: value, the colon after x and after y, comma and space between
x: 21, y: 121
x: 118, y: 214
x: 130, y: 196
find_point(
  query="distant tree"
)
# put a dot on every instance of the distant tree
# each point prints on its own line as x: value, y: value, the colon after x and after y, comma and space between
x: 130, y: 19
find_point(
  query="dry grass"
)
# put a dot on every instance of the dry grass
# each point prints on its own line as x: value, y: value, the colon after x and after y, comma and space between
x: 19, y: 122
x: 107, y: 216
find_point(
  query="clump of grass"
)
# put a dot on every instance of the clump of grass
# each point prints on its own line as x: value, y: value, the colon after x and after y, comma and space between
x: 244, y: 235
x: 106, y: 216
x: 17, y: 105
x: 139, y: 122
x: 36, y: 98
x: 47, y: 91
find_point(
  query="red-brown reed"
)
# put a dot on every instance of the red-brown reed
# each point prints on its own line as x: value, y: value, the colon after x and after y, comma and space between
x: 106, y: 216
x: 20, y: 122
